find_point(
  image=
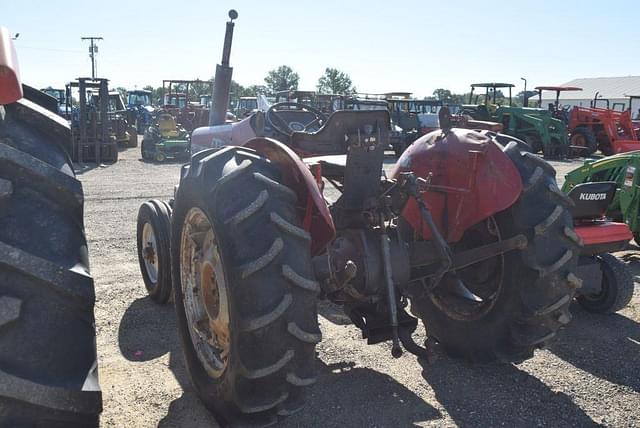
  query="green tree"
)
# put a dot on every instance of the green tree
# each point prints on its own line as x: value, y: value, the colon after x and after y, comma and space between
x: 443, y: 95
x: 255, y: 90
x: 122, y: 91
x: 334, y: 81
x: 281, y: 79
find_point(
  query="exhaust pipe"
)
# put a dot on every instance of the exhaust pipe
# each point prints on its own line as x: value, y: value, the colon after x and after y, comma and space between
x: 222, y: 80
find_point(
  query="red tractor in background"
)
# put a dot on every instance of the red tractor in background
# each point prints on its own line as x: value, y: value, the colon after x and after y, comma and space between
x: 473, y: 238
x: 608, y: 130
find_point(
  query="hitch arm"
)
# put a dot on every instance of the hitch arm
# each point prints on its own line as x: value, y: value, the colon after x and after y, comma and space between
x: 421, y: 252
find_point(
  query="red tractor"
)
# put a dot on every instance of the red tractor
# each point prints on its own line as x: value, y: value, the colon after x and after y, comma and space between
x: 609, y: 130
x: 473, y: 238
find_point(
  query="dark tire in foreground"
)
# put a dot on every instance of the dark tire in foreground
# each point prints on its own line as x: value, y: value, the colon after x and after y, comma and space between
x: 153, y: 237
x: 525, y: 293
x: 244, y: 292
x: 617, y: 287
x: 48, y: 372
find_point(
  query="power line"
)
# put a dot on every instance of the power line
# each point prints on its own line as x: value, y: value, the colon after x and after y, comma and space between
x: 35, y: 48
x: 93, y: 50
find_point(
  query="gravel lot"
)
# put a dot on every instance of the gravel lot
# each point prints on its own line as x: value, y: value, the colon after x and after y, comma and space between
x: 590, y: 376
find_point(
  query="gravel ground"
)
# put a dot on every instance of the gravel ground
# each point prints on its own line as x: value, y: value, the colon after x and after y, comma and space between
x: 589, y: 376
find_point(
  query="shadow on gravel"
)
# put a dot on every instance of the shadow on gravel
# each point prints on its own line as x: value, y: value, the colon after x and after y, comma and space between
x: 348, y: 396
x: 478, y: 396
x: 606, y: 346
x: 147, y: 331
x: 82, y: 168
x: 343, y: 396
x: 333, y: 313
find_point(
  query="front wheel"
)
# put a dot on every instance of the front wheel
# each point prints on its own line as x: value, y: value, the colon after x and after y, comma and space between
x: 617, y: 287
x: 585, y: 138
x: 144, y: 150
x: 153, y: 234
x: 244, y: 291
x: 133, y: 137
x: 518, y: 300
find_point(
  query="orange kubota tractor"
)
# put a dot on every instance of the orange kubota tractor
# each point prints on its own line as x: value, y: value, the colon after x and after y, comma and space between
x: 609, y: 130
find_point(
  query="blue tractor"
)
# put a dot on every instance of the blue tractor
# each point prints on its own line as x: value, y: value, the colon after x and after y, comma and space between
x: 140, y: 109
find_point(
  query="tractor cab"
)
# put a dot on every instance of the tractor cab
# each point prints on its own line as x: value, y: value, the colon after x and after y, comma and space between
x: 139, y: 109
x: 178, y: 100
x: 491, y: 99
x: 60, y: 96
x: 536, y: 126
x: 557, y: 110
x: 244, y: 106
x: 138, y: 97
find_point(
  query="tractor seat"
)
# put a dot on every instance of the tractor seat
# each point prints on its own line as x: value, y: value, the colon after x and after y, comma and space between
x: 591, y: 200
x: 332, y: 165
x: 167, y: 126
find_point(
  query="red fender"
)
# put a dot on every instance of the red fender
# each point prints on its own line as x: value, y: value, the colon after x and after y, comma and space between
x: 471, y: 179
x: 10, y: 87
x: 296, y: 175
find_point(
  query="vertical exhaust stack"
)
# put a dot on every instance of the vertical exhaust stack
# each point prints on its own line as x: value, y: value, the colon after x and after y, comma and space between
x: 222, y: 80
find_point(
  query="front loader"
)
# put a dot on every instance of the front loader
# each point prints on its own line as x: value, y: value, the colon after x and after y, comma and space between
x: 536, y: 126
x: 470, y: 237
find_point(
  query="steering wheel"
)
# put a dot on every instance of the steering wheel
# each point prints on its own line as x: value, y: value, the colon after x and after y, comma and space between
x: 276, y: 120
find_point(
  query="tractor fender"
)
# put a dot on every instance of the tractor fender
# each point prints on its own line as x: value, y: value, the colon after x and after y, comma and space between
x: 470, y: 178
x: 10, y: 87
x: 297, y: 176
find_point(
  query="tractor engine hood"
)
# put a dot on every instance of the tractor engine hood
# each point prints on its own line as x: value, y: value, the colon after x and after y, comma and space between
x: 228, y: 134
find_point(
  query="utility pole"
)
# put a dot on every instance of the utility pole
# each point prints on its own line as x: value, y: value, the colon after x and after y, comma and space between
x: 93, y: 50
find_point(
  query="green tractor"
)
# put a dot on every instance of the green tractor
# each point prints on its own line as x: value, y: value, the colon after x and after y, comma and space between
x: 165, y: 139
x: 536, y: 126
x: 624, y: 170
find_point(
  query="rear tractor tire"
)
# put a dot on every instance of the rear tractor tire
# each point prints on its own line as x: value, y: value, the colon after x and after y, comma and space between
x: 48, y: 367
x: 525, y: 294
x: 617, y: 287
x: 153, y: 237
x: 244, y: 292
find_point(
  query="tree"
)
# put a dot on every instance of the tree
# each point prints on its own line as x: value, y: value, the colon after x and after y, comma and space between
x: 122, y: 91
x: 443, y: 95
x: 335, y: 81
x: 282, y: 78
x: 255, y: 90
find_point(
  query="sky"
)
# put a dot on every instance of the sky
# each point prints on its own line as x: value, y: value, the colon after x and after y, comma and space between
x: 409, y: 46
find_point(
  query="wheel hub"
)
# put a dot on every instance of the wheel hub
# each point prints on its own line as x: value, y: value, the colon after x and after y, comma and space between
x: 149, y: 252
x: 204, y: 292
